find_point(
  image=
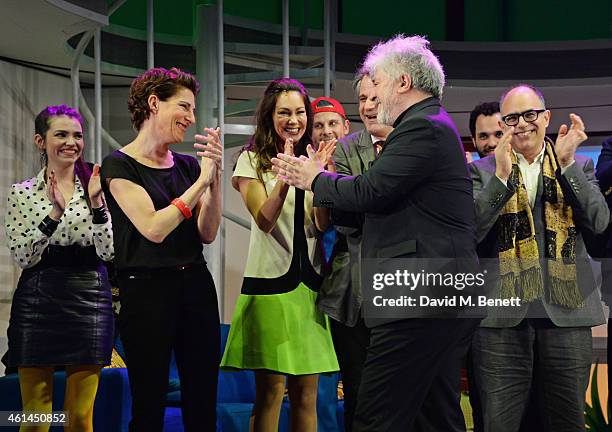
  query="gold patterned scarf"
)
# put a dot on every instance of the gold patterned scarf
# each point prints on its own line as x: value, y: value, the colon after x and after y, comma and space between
x: 520, y: 271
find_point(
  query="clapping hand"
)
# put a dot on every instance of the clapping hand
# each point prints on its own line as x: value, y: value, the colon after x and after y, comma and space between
x: 503, y: 161
x: 325, y: 152
x: 56, y: 197
x: 569, y: 139
x: 298, y: 172
x: 211, y: 153
x: 288, y: 149
x: 94, y: 189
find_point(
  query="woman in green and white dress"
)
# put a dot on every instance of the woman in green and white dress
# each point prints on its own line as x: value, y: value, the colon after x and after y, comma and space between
x: 277, y: 330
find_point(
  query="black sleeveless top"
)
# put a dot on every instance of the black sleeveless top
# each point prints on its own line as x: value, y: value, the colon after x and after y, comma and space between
x: 132, y: 250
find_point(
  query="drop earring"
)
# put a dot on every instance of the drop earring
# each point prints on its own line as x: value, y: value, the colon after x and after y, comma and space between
x: 43, y: 158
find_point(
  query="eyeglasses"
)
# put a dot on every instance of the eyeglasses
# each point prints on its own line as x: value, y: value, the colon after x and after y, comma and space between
x: 529, y: 116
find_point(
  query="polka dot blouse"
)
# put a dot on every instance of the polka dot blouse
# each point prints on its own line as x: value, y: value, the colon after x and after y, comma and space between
x: 27, y: 207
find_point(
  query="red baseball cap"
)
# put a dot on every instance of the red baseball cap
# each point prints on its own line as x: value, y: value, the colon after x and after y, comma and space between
x: 325, y: 104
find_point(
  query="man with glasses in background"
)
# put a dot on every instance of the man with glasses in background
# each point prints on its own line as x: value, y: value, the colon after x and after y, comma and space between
x: 486, y: 131
x: 534, y: 200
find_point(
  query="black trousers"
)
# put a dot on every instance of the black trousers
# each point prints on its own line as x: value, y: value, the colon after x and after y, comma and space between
x: 411, y: 379
x: 164, y: 311
x: 351, y: 345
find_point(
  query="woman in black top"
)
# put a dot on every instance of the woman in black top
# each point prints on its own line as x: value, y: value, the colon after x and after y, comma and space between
x: 164, y: 206
x: 59, y: 232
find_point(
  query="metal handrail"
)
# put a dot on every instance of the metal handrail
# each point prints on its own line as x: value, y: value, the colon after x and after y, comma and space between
x: 78, y: 99
x: 237, y: 220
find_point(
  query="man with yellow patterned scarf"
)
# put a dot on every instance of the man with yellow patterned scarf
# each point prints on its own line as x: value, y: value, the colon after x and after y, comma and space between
x: 534, y: 201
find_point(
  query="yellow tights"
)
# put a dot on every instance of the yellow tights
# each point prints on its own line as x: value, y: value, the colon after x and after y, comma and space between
x: 81, y: 387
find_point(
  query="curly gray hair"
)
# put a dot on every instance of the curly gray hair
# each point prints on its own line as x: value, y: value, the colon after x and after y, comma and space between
x: 407, y: 55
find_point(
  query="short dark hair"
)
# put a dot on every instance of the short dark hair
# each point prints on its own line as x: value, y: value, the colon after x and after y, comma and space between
x: 157, y: 81
x: 485, y: 109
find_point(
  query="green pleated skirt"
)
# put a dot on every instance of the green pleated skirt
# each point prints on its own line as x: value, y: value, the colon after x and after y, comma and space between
x: 283, y: 333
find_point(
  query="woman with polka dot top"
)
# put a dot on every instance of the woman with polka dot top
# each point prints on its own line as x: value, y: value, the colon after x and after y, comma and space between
x: 59, y: 232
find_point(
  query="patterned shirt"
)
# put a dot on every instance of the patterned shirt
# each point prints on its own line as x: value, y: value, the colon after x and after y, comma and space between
x: 28, y: 205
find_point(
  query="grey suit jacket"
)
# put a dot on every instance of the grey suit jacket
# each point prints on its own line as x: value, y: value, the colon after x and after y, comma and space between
x: 340, y: 295
x: 590, y: 211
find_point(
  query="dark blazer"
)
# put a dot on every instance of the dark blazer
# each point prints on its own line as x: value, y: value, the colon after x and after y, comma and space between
x: 604, y: 170
x: 340, y: 295
x: 591, y: 213
x: 604, y: 176
x: 417, y: 196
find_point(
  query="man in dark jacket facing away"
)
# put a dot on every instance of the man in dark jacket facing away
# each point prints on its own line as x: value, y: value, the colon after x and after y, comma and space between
x: 418, y: 203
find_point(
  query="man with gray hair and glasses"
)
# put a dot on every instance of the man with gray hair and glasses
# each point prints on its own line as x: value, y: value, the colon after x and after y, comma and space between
x: 418, y: 204
x: 535, y: 201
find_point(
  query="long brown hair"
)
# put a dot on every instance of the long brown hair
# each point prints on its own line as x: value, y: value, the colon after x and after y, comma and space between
x: 263, y: 142
x: 42, y: 122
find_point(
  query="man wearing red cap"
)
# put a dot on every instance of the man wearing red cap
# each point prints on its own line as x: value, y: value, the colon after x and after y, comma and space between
x: 329, y: 120
x: 329, y: 123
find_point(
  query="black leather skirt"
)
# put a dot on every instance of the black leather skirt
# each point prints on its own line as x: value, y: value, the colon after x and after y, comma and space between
x: 61, y: 312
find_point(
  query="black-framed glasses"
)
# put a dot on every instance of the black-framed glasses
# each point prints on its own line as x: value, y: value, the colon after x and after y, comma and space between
x: 529, y: 116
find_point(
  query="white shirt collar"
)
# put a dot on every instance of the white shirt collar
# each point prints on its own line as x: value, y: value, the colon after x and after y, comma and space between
x: 41, y: 182
x: 375, y: 139
x: 538, y: 159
